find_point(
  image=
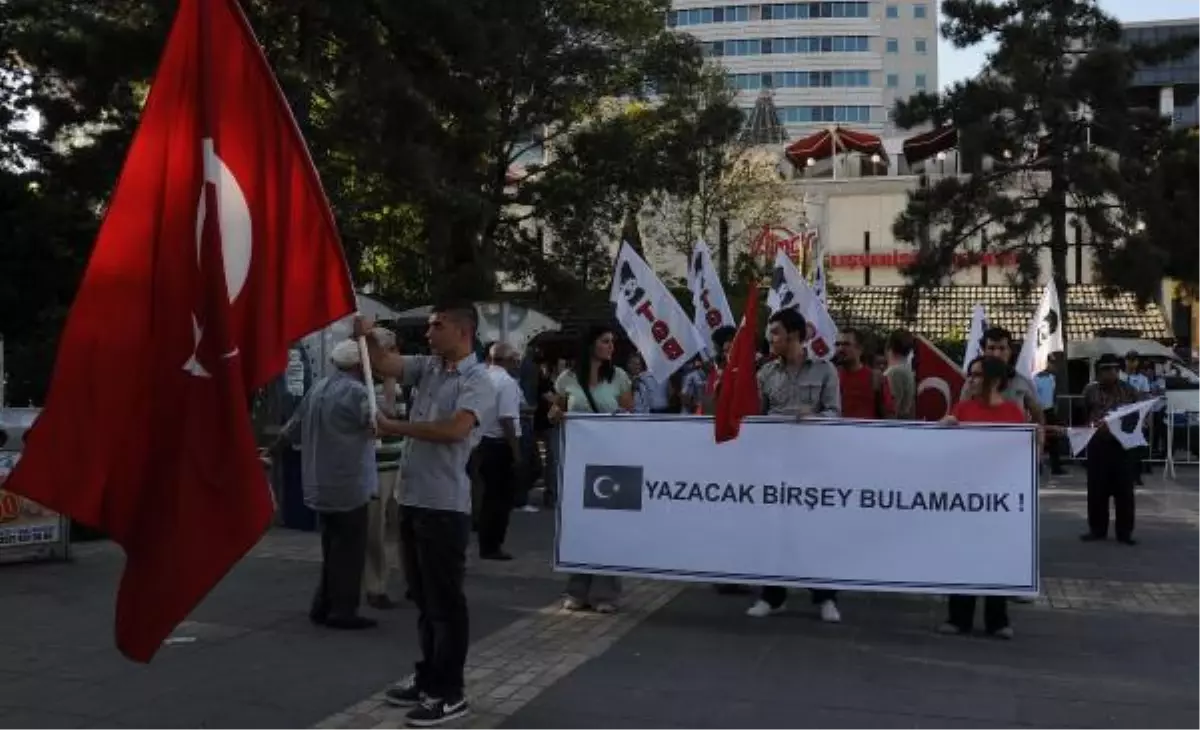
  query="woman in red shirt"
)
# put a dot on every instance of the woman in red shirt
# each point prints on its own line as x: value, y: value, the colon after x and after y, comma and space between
x: 987, y: 378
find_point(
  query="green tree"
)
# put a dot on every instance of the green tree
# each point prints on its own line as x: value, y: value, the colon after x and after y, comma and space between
x: 634, y: 160
x: 1164, y: 207
x: 1058, y: 79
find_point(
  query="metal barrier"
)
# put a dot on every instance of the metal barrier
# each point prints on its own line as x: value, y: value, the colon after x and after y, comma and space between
x: 1178, y: 431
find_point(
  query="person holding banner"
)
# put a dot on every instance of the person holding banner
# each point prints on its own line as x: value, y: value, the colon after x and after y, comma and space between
x: 1108, y: 473
x: 595, y: 385
x: 793, y: 384
x: 987, y: 377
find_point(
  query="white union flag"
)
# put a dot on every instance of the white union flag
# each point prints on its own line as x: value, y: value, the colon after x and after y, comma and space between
x: 1044, y: 335
x: 708, y: 296
x: 979, y: 325
x: 789, y: 290
x: 650, y: 315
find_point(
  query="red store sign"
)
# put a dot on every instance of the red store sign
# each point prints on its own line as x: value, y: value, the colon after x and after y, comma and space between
x: 777, y: 238
x: 898, y: 259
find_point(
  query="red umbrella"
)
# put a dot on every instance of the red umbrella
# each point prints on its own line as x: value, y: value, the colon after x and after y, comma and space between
x: 928, y: 144
x: 828, y: 142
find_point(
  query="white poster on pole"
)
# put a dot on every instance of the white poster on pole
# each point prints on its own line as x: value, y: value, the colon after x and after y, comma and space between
x: 1044, y: 335
x: 790, y: 290
x: 708, y: 296
x: 650, y: 315
x: 783, y: 504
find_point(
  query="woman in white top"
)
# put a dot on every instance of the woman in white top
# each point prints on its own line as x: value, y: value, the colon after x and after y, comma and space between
x: 594, y: 385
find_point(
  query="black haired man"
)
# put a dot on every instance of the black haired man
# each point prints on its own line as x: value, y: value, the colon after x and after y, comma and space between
x: 796, y: 385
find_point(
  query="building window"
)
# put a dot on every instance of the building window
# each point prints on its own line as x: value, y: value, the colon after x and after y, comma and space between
x: 919, y: 11
x: 893, y: 45
x: 818, y: 114
x: 920, y: 81
x: 802, y: 44
x: 800, y: 80
x: 893, y: 12
x: 893, y: 80
x: 769, y: 12
x: 919, y: 45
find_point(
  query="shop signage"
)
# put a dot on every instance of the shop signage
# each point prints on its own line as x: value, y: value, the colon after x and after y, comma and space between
x: 898, y: 259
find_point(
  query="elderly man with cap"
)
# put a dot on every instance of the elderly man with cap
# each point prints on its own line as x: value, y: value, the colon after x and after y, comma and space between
x: 1108, y: 475
x: 337, y: 466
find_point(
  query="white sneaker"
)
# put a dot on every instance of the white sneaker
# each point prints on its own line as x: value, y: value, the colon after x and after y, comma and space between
x: 762, y: 609
x: 829, y: 612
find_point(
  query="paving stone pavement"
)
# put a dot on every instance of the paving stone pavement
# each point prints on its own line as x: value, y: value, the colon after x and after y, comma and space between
x: 1111, y: 642
x: 248, y: 657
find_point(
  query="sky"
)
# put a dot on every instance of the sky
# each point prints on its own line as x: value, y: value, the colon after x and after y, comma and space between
x: 956, y: 65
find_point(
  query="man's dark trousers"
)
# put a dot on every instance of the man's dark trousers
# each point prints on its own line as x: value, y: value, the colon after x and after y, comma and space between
x: 498, y: 470
x: 1054, y: 444
x: 343, y: 555
x: 433, y: 546
x: 1108, y: 475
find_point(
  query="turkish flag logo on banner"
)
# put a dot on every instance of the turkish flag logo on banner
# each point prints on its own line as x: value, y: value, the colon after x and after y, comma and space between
x: 939, y: 380
x: 218, y: 250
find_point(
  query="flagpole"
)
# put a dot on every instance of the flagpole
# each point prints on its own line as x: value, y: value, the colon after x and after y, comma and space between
x: 311, y: 171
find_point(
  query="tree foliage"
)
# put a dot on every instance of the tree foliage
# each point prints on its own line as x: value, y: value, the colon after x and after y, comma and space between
x: 414, y: 113
x: 1047, y: 132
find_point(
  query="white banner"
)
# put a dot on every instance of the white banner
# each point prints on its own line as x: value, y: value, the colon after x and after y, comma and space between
x: 650, y: 315
x: 842, y: 504
x: 1043, y: 336
x: 788, y: 290
x: 979, y: 325
x: 708, y: 296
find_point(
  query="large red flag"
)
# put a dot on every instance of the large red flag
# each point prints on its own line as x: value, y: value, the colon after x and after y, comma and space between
x: 738, y: 396
x: 939, y: 380
x: 218, y: 250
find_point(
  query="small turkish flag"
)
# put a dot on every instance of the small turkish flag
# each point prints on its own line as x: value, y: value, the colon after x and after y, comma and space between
x: 217, y: 252
x: 939, y: 380
x: 738, y: 396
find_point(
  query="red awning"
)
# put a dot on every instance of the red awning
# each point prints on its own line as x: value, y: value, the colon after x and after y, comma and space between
x: 928, y: 144
x: 824, y: 144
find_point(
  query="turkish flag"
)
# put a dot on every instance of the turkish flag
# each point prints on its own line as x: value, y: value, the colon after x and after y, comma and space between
x: 218, y: 250
x: 939, y: 380
x: 738, y: 396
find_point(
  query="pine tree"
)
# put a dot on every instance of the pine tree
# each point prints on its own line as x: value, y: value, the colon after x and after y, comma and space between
x: 1048, y: 131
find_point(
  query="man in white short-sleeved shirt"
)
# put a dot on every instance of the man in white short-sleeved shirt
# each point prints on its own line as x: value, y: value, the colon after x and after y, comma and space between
x: 499, y: 453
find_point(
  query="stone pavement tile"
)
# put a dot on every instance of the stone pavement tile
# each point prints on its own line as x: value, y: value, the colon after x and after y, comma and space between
x: 22, y: 718
x: 700, y: 658
x: 508, y: 669
x: 256, y: 661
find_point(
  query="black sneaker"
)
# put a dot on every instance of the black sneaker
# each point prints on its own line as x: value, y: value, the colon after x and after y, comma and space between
x: 433, y: 712
x: 405, y: 694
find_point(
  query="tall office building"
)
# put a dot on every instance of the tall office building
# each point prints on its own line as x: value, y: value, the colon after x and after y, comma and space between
x: 827, y: 62
x: 1171, y: 87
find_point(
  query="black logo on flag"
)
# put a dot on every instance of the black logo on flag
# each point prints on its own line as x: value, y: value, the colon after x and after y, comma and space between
x: 1130, y: 421
x: 612, y: 487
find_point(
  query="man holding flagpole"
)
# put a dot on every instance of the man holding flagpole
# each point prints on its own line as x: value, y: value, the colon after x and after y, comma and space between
x: 454, y: 397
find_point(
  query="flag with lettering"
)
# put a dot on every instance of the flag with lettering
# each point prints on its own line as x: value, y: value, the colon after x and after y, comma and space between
x: 711, y: 311
x: 217, y: 251
x: 652, y: 317
x: 1044, y: 335
x: 979, y: 325
x: 789, y: 290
